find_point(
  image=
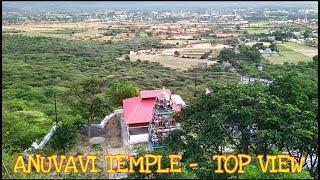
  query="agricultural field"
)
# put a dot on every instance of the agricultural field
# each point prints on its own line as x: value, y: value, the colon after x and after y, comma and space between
x: 257, y: 31
x: 181, y: 42
x: 169, y: 61
x: 167, y: 58
x: 72, y: 31
x: 301, y: 48
x: 228, y: 34
x: 259, y: 24
x: 197, y: 50
x: 288, y: 55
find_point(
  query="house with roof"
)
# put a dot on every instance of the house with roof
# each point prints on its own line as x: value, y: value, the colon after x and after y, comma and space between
x: 138, y: 113
x: 268, y: 52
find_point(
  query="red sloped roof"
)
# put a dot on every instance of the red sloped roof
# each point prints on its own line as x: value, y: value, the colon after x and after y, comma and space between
x: 152, y: 93
x: 129, y: 106
x: 176, y: 107
x: 138, y: 110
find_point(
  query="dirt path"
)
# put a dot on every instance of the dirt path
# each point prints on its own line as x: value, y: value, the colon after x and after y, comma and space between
x: 112, y: 145
x: 111, y: 132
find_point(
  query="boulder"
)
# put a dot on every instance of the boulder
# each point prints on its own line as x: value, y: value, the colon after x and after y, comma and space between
x: 97, y: 140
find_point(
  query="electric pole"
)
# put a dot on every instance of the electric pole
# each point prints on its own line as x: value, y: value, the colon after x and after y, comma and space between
x: 195, y: 83
x: 55, y: 107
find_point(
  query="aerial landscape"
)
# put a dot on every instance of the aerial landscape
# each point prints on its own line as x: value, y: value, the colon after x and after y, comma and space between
x: 195, y: 79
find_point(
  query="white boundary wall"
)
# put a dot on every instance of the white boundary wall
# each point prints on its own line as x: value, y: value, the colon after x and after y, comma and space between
x: 106, y: 119
x: 35, y: 145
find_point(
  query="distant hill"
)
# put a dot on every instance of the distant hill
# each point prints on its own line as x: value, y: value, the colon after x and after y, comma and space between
x: 79, y: 6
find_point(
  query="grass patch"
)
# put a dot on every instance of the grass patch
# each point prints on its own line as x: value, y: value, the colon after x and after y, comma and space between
x: 169, y: 61
x: 288, y: 55
x: 257, y: 31
x: 295, y: 45
x: 64, y: 31
x: 301, y: 48
x: 259, y: 24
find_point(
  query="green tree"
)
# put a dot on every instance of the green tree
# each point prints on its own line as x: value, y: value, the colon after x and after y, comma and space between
x: 149, y: 34
x: 85, y: 98
x: 253, y: 119
x: 120, y: 90
x: 226, y: 55
x: 185, y: 174
x: 258, y: 46
x: 307, y: 34
x: 237, y: 27
x: 176, y: 53
x: 19, y: 129
x: 64, y: 136
x: 249, y: 54
x: 315, y: 59
x: 127, y: 57
x: 295, y: 110
x: 254, y: 172
x: 273, y: 47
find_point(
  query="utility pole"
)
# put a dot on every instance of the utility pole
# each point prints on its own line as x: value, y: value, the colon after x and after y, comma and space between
x: 55, y: 107
x: 195, y: 83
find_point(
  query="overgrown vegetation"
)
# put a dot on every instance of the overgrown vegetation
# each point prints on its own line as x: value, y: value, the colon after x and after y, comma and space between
x: 250, y: 119
x: 34, y: 68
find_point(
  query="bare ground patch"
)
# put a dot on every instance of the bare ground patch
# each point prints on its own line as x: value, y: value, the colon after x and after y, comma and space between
x: 111, y: 133
x: 168, y: 61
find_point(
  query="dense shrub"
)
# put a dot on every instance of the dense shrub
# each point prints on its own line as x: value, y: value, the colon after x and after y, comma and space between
x: 64, y: 136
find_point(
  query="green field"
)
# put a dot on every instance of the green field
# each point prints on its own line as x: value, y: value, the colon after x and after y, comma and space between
x: 288, y: 55
x: 259, y: 24
x: 301, y: 48
x: 257, y: 31
x: 295, y: 45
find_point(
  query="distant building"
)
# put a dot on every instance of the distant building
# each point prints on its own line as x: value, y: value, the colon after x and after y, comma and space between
x: 301, y: 41
x: 296, y: 33
x: 268, y: 51
x: 132, y: 53
x: 271, y: 37
x: 247, y: 80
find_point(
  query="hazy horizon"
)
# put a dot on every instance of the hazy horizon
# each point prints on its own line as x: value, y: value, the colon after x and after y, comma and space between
x: 40, y: 6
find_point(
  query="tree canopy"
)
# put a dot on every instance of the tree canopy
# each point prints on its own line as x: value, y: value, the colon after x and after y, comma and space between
x: 120, y: 90
x: 86, y: 99
x: 253, y: 119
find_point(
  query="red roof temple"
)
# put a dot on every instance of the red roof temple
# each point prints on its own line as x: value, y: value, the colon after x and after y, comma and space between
x: 138, y: 111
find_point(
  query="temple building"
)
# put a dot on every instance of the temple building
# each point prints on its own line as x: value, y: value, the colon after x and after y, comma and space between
x: 149, y: 112
x: 162, y: 122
